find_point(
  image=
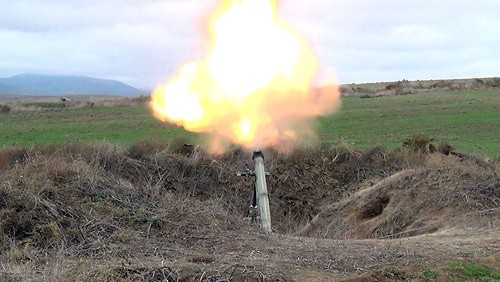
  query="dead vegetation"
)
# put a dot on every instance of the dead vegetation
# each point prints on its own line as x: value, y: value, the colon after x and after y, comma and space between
x: 167, y: 212
x: 405, y: 87
x: 46, y: 103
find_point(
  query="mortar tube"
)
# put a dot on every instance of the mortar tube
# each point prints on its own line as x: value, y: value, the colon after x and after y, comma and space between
x: 261, y: 188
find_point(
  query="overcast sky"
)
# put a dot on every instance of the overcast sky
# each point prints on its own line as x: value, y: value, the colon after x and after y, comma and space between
x: 141, y: 42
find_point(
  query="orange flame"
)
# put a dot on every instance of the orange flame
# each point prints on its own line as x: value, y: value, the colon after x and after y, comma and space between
x: 254, y: 87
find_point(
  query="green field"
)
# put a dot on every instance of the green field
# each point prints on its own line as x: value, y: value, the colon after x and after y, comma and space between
x: 468, y: 120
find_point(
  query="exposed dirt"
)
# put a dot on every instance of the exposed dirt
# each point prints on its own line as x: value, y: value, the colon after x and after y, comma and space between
x: 168, y: 213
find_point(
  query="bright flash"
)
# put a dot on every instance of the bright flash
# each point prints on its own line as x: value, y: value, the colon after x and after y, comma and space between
x: 255, y: 85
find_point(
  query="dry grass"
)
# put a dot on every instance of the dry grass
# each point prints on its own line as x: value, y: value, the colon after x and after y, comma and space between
x: 78, y: 205
x: 5, y: 109
x: 38, y: 104
x: 443, y: 192
x: 405, y: 87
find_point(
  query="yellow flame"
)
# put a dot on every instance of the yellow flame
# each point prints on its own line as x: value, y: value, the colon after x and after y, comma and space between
x: 254, y: 86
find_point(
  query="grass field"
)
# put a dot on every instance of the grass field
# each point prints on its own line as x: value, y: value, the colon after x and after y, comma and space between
x: 468, y: 120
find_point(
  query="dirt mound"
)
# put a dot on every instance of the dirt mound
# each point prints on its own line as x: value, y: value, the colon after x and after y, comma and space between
x: 447, y: 191
x: 77, y: 195
x: 90, y: 197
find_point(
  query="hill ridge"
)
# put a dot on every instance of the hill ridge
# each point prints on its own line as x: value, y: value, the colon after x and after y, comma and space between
x: 64, y: 85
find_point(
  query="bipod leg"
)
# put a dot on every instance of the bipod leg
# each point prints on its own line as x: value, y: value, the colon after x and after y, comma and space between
x: 254, y: 211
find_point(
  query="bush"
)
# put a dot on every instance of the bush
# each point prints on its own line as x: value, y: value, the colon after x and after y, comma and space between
x: 393, y: 86
x: 145, y: 148
x: 444, y: 148
x: 418, y: 143
x: 10, y: 156
x: 180, y: 145
x: 47, y: 235
x: 5, y: 109
x: 496, y: 82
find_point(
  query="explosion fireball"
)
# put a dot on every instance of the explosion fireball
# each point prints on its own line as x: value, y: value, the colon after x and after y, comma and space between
x: 256, y: 86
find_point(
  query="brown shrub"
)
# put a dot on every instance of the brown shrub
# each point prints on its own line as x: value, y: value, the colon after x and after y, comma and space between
x: 418, y: 143
x: 11, y: 156
x: 146, y: 148
x: 5, y: 109
x: 373, y: 153
x: 496, y: 82
x: 442, y: 84
x: 393, y: 86
x: 48, y: 235
x: 444, y: 148
x: 180, y: 145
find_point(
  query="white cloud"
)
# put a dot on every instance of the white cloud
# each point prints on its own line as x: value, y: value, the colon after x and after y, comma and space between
x: 136, y: 40
x: 391, y: 40
x: 141, y: 42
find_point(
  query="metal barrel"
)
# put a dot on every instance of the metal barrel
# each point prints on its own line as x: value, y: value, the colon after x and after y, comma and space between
x: 262, y: 196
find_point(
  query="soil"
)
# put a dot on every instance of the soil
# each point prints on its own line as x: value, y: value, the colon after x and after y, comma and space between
x: 252, y: 255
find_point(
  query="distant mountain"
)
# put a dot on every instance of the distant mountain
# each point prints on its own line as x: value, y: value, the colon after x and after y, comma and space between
x: 55, y: 85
